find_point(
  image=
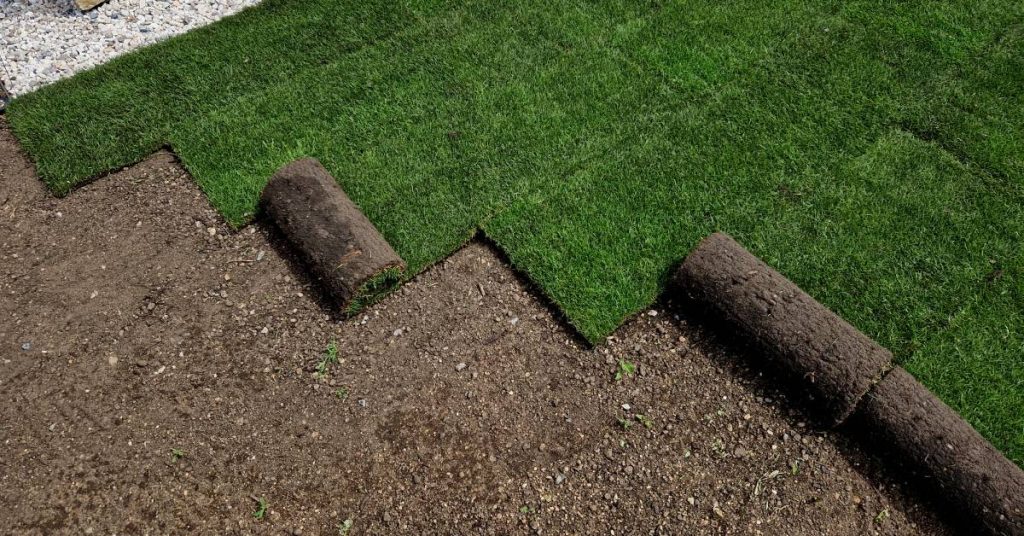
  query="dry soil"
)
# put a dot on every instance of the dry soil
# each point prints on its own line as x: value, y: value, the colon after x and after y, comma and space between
x: 159, y: 374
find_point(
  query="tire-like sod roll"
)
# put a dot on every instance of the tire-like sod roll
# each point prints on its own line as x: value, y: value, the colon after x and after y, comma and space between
x: 900, y: 414
x: 339, y: 245
x: 86, y: 5
x: 835, y: 362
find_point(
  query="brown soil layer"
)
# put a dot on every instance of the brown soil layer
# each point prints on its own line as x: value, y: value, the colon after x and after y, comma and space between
x: 134, y: 323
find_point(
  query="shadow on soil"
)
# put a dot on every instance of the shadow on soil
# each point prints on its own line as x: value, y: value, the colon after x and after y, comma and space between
x: 875, y: 464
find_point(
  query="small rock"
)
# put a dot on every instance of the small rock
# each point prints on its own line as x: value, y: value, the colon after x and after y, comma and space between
x: 26, y: 346
x: 460, y: 367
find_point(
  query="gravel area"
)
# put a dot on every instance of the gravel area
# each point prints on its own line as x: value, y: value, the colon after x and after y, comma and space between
x: 42, y: 41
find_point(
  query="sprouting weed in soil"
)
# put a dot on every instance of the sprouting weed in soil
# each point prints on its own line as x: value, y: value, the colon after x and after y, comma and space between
x: 344, y: 527
x: 883, y: 515
x: 329, y: 358
x: 177, y: 454
x: 626, y: 370
x: 261, y: 508
x: 342, y: 393
x: 525, y: 509
x: 646, y: 421
x: 718, y: 446
x: 625, y: 423
x: 794, y: 467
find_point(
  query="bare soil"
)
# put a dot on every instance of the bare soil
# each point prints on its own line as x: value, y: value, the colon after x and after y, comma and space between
x: 158, y: 374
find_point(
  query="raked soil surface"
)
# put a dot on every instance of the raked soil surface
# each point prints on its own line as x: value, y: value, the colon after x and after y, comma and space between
x: 158, y: 375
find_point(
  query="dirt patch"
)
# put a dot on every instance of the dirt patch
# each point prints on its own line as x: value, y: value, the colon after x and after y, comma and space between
x: 160, y: 373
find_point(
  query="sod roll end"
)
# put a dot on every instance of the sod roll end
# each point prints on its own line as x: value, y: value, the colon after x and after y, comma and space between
x: 86, y: 5
x: 338, y: 244
x: 831, y: 360
x: 902, y: 415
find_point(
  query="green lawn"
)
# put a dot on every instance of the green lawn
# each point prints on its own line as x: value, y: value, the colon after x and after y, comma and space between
x: 872, y: 151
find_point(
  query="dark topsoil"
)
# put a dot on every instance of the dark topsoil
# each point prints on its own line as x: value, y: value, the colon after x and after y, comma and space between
x: 133, y: 322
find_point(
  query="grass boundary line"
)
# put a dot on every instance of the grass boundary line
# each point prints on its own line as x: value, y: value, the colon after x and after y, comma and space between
x: 967, y: 480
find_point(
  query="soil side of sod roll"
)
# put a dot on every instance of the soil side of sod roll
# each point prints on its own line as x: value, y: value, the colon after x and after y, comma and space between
x: 902, y: 416
x: 831, y: 359
x: 849, y: 374
x: 339, y: 245
x: 87, y: 5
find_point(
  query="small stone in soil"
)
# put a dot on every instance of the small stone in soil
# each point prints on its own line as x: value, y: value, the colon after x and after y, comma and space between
x: 460, y: 367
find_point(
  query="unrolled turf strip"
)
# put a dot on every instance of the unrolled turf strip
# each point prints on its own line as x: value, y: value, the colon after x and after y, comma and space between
x: 869, y: 150
x: 828, y: 357
x: 338, y: 244
x: 902, y: 416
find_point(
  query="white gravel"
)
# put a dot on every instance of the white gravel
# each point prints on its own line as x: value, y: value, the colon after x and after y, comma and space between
x: 42, y: 41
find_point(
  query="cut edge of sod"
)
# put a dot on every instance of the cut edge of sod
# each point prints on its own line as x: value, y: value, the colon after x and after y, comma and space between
x: 375, y: 289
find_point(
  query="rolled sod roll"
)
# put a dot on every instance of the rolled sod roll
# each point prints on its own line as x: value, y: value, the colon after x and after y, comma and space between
x: 86, y: 5
x: 827, y: 357
x: 902, y: 415
x: 339, y: 245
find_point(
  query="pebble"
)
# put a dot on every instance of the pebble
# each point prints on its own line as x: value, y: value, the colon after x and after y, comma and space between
x: 460, y: 367
x: 42, y: 41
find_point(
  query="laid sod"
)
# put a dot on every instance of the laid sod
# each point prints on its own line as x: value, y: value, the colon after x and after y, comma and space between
x: 872, y: 152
